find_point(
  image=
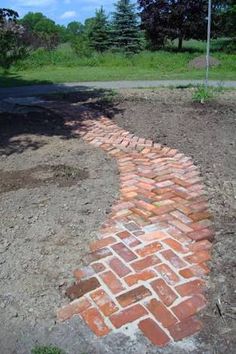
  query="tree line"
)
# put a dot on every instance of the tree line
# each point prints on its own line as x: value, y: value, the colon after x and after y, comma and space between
x: 149, y: 24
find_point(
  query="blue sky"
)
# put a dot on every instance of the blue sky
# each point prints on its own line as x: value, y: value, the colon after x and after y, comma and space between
x: 61, y: 11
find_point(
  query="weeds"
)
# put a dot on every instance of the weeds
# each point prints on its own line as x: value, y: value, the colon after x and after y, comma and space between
x: 204, y: 94
x: 47, y: 350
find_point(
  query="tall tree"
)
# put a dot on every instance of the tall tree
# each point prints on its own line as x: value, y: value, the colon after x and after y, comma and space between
x: 125, y: 27
x: 175, y: 19
x: 99, y: 31
x: 11, y: 38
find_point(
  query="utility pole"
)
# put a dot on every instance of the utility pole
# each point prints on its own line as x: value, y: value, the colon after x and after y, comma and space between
x: 208, y: 44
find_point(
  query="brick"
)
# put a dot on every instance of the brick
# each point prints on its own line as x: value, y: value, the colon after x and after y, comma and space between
x: 191, y: 288
x: 95, y: 322
x: 149, y: 249
x: 142, y: 213
x: 128, y: 315
x: 144, y: 263
x: 102, y: 243
x: 181, y: 217
x: 153, y: 236
x: 189, y: 307
x: 199, y: 257
x: 74, y: 308
x: 164, y: 209
x: 95, y: 256
x: 128, y: 239
x: 131, y: 226
x: 181, y: 226
x: 204, y: 234
x: 176, y: 246
x: 161, y: 313
x: 196, y: 270
x: 200, y: 216
x: 112, y: 282
x: 104, y: 302
x: 84, y: 273
x: 133, y: 296
x: 144, y: 205
x: 98, y: 267
x: 167, y: 274
x: 164, y: 184
x: 175, y: 260
x: 185, y: 328
x: 124, y: 252
x: 153, y: 332
x: 165, y: 293
x: 81, y: 288
x: 142, y: 276
x: 200, y: 245
x: 119, y: 267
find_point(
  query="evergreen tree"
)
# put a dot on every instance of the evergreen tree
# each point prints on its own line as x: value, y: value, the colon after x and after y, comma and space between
x: 99, y: 31
x: 125, y: 27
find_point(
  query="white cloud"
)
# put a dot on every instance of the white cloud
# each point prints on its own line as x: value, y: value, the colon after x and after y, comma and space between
x: 68, y: 14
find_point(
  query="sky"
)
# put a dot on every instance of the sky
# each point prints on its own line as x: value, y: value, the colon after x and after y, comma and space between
x: 61, y: 11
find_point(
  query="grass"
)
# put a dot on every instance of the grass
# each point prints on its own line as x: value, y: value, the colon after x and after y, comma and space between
x: 63, y: 65
x: 47, y: 350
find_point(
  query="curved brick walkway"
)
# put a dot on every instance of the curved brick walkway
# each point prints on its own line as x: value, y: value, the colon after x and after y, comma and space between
x: 147, y: 268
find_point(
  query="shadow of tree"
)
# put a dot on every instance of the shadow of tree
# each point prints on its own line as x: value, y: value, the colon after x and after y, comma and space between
x: 22, y: 128
x: 9, y: 79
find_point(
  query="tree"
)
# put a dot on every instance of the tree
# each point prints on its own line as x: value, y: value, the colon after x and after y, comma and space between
x: 11, y: 39
x: 229, y: 19
x: 31, y: 19
x: 99, y: 31
x: 125, y: 27
x: 176, y: 19
x: 75, y: 28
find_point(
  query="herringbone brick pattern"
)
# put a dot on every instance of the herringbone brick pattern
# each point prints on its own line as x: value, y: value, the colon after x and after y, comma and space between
x: 147, y: 268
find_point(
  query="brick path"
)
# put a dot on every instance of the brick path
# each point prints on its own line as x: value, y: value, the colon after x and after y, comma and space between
x: 147, y: 269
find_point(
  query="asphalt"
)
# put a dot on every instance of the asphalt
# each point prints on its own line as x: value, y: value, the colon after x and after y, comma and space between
x: 67, y: 87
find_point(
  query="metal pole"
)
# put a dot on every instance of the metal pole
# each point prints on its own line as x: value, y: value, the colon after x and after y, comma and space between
x: 208, y: 43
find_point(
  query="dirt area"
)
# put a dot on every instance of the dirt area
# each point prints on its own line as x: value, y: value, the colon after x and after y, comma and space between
x: 207, y: 134
x: 55, y: 191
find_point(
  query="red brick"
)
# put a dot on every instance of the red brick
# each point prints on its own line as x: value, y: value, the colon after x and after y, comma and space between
x: 104, y: 302
x: 95, y: 321
x: 196, y: 270
x: 119, y: 267
x: 146, y: 186
x: 185, y: 328
x: 167, y: 274
x: 163, y: 209
x: 124, y: 252
x: 191, y: 288
x: 84, y: 273
x: 144, y: 263
x: 200, y: 216
x: 200, y: 245
x: 128, y: 239
x: 98, y: 267
x: 142, y: 213
x: 165, y: 293
x: 149, y: 249
x: 128, y: 315
x: 199, y: 257
x: 112, y: 282
x: 144, y: 205
x: 204, y: 234
x: 181, y: 226
x: 102, y: 243
x: 99, y: 254
x: 161, y: 313
x: 153, y: 332
x: 142, y: 276
x: 152, y: 236
x: 175, y: 245
x: 132, y: 296
x: 189, y: 307
x: 74, y: 308
x: 123, y: 234
x: 170, y: 256
x: 81, y: 288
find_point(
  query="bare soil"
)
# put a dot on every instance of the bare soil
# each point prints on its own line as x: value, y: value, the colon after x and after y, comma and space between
x: 55, y: 192
x: 207, y: 133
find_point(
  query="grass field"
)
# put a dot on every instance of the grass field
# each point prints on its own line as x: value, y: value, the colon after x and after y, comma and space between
x: 63, y: 65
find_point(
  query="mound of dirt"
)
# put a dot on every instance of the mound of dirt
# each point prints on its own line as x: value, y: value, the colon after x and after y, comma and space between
x: 200, y: 62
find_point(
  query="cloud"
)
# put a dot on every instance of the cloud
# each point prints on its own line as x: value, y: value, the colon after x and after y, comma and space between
x: 68, y: 14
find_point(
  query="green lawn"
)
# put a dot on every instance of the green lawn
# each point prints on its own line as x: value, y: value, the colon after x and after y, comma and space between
x: 63, y: 65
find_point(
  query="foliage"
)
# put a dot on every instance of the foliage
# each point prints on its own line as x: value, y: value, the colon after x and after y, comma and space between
x: 203, y: 94
x: 75, y: 28
x: 229, y: 21
x: 125, y: 28
x: 11, y: 43
x: 178, y: 19
x: 46, y: 350
x: 99, y: 31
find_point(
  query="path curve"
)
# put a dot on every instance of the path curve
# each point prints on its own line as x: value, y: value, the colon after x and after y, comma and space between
x: 68, y: 87
x: 147, y: 271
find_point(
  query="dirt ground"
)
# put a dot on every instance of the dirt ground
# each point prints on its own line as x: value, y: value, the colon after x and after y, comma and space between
x: 55, y: 192
x: 207, y: 133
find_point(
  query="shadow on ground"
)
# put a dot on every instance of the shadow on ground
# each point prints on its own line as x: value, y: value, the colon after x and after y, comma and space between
x: 22, y: 122
x: 8, y: 79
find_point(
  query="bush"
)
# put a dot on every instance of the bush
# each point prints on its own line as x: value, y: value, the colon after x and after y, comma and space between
x: 203, y: 94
